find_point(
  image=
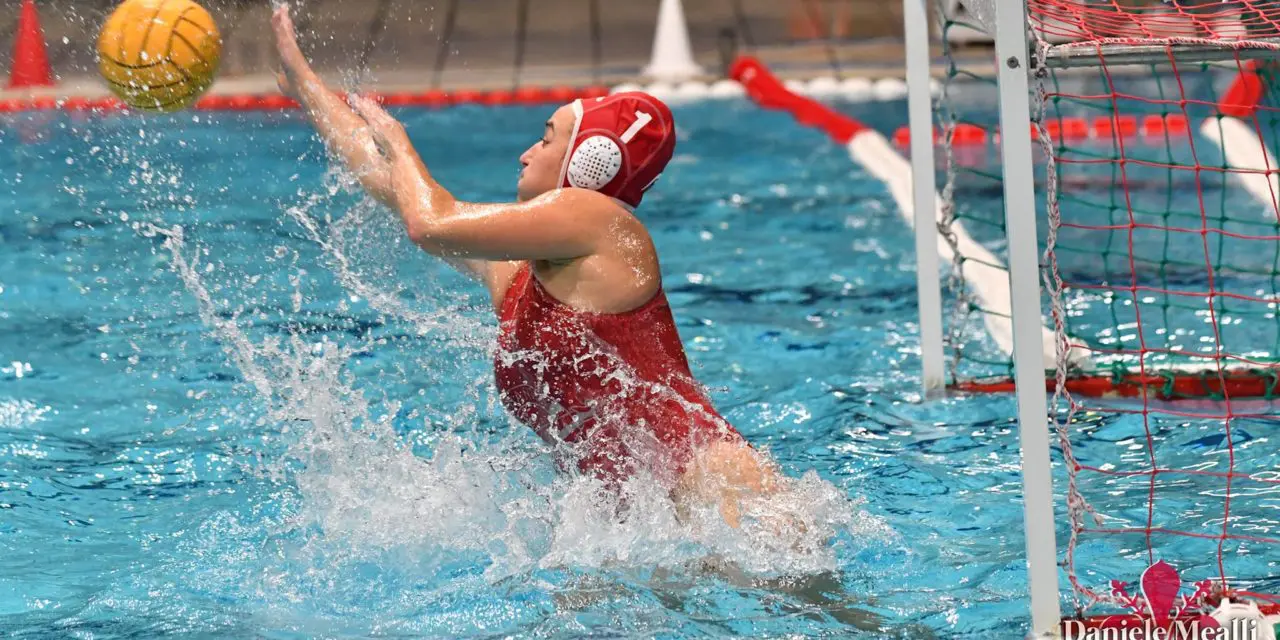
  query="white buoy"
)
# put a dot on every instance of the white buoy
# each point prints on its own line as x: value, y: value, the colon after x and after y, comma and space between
x: 661, y: 90
x: 857, y: 89
x: 692, y: 90
x: 796, y: 87
x: 672, y: 57
x: 823, y: 87
x: 625, y: 87
x: 727, y: 89
x: 889, y: 89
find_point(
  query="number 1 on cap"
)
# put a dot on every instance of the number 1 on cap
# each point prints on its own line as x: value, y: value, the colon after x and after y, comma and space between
x: 642, y: 119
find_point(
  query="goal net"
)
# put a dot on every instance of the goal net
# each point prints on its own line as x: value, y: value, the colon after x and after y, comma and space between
x: 1159, y: 231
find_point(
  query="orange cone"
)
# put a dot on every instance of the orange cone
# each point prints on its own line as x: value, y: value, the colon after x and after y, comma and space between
x: 30, y: 59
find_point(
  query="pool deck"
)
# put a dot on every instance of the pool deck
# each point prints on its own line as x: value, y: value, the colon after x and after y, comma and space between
x: 873, y: 60
x: 563, y: 46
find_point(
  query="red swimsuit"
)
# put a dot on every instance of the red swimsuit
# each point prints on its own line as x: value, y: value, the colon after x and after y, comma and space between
x: 617, y: 386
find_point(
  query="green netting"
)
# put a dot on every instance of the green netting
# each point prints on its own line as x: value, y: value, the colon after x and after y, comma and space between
x: 1163, y: 252
x: 1158, y: 259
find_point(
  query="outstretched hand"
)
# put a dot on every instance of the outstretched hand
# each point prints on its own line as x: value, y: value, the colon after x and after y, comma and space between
x: 291, y: 59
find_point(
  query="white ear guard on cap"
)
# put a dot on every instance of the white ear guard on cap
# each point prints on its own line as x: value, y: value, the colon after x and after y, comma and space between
x: 595, y: 163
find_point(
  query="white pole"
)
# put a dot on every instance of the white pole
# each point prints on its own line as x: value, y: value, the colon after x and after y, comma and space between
x: 672, y: 56
x: 1012, y: 57
x: 915, y: 17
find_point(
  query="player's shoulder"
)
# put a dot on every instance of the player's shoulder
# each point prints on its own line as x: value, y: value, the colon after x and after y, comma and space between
x: 581, y: 196
x: 587, y: 203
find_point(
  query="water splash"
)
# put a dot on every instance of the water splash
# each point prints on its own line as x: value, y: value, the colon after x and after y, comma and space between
x: 360, y: 510
x: 16, y: 413
x: 360, y: 226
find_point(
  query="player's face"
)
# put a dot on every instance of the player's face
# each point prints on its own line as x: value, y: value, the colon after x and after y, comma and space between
x: 541, y: 163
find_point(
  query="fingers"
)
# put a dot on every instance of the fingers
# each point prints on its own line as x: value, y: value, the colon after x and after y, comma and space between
x: 287, y: 41
x: 283, y: 27
x: 280, y: 19
x: 282, y: 23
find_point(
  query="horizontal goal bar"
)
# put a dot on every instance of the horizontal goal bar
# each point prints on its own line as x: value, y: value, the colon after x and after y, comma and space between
x: 1144, y: 52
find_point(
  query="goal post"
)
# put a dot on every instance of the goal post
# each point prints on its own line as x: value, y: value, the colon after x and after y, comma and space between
x: 1024, y: 275
x: 1112, y: 257
x: 915, y: 17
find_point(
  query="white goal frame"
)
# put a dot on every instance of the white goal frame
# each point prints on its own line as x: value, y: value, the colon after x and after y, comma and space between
x: 1018, y: 177
x: 1031, y: 344
x: 1006, y: 20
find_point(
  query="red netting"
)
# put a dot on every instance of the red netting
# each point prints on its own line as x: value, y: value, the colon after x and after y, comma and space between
x: 1168, y: 280
x: 1226, y: 22
x: 1159, y: 192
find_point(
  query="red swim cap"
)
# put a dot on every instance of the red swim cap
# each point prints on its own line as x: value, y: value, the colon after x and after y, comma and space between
x: 620, y: 145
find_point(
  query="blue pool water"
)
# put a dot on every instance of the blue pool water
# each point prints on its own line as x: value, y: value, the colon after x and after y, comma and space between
x: 235, y: 402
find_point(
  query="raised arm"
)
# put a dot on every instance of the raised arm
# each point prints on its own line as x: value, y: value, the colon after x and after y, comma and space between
x: 345, y: 133
x: 562, y: 224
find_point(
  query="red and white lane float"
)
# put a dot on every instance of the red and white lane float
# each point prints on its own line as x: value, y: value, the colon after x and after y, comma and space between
x: 985, y: 274
x: 1238, y: 133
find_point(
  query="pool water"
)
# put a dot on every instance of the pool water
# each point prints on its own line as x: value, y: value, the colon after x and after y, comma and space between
x: 236, y: 402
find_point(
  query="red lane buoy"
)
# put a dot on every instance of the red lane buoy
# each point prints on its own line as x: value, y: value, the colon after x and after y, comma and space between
x: 530, y: 95
x: 466, y: 96
x: 562, y: 95
x: 498, y: 98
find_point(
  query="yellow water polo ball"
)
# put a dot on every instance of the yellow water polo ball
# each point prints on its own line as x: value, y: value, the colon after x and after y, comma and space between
x: 159, y: 55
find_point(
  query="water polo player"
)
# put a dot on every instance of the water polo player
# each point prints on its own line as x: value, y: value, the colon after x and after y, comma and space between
x: 588, y: 354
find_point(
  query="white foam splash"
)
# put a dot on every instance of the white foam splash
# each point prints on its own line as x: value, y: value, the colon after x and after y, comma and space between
x: 359, y: 493
x: 15, y: 414
x: 351, y: 229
